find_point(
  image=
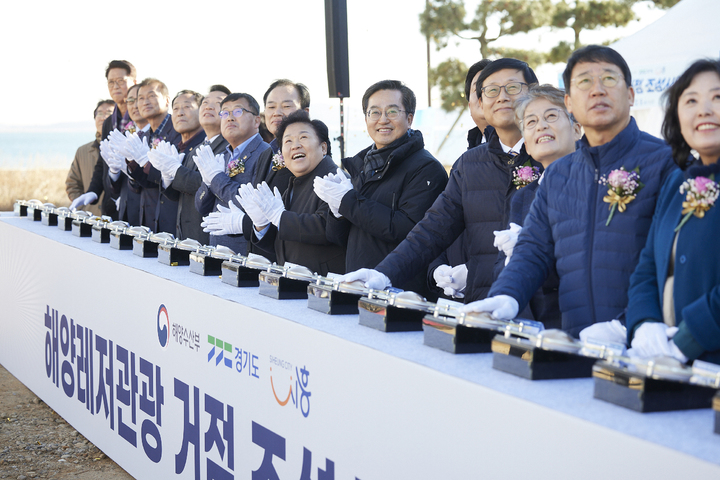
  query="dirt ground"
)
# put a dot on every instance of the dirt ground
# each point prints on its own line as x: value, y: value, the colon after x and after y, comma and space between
x: 35, y: 442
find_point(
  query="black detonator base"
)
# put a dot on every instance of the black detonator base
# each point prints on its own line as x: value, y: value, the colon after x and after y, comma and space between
x: 331, y: 302
x: 238, y: 276
x: 49, y: 219
x: 34, y: 213
x: 81, y: 229
x: 515, y: 356
x: 455, y: 338
x: 205, y: 265
x: 65, y: 223
x: 100, y: 234
x: 173, y: 257
x: 379, y: 315
x: 145, y: 248
x: 120, y: 241
x: 639, y: 392
x: 276, y: 286
x: 20, y: 210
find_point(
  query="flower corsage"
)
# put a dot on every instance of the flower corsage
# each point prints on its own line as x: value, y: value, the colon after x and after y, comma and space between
x: 130, y: 127
x: 278, y: 162
x: 524, y: 175
x: 156, y: 141
x: 623, y: 187
x: 235, y: 167
x: 701, y: 194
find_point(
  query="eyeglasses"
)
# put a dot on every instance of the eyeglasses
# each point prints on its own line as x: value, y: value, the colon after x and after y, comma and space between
x: 512, y: 88
x: 117, y: 83
x: 608, y: 79
x: 550, y: 115
x: 130, y: 100
x: 376, y: 114
x: 237, y: 113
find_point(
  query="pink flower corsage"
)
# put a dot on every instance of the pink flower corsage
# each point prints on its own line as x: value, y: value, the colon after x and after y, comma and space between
x: 623, y: 187
x: 524, y: 175
x: 278, y: 162
x: 700, y: 194
x: 235, y: 167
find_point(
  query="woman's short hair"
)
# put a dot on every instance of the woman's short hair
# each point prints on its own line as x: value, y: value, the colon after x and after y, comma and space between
x: 536, y: 92
x: 301, y: 116
x: 671, y: 98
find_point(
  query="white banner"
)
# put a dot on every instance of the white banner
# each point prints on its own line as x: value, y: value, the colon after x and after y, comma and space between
x: 173, y: 382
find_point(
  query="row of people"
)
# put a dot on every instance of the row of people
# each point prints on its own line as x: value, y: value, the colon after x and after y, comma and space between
x: 576, y: 231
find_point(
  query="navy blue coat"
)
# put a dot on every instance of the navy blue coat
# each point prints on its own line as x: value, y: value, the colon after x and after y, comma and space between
x: 477, y: 200
x: 223, y: 189
x: 697, y: 271
x: 566, y: 227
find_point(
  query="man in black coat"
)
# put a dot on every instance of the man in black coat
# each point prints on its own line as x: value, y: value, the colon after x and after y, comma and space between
x: 184, y: 177
x: 120, y: 75
x: 394, y: 182
x: 478, y: 194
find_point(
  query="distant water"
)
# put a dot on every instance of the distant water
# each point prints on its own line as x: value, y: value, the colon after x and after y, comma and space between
x: 40, y: 149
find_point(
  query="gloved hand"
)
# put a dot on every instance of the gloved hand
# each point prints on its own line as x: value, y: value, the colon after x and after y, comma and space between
x: 270, y: 203
x: 502, y: 307
x: 225, y: 221
x: 167, y: 160
x: 372, y: 278
x: 135, y: 148
x: 114, y: 160
x: 84, y: 199
x: 117, y: 141
x: 505, y: 240
x: 246, y: 198
x: 654, y: 339
x: 605, y: 332
x: 209, y: 164
x: 451, y: 279
x: 331, y: 189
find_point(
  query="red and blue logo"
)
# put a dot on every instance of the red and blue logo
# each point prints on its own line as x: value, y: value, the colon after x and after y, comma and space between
x: 163, y: 326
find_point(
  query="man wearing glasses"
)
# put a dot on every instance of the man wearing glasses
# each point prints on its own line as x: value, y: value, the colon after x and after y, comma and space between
x: 393, y: 182
x: 222, y: 175
x: 570, y: 222
x: 477, y: 196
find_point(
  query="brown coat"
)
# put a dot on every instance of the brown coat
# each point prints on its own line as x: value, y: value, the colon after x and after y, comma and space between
x: 81, y: 172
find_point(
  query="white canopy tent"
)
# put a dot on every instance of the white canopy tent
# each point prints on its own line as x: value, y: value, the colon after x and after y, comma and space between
x: 660, y: 52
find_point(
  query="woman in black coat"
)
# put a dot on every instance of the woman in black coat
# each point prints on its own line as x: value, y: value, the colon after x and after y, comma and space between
x: 293, y: 224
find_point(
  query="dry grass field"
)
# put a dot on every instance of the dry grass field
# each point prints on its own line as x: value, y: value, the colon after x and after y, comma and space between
x: 42, y: 184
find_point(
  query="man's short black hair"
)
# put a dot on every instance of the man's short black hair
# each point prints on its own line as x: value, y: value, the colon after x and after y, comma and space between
x: 595, y: 54
x: 198, y: 97
x: 302, y: 90
x: 219, y: 88
x: 506, y: 64
x: 103, y: 102
x: 252, y: 103
x: 472, y: 71
x: 154, y: 81
x: 408, y: 96
x: 124, y: 64
x: 301, y: 116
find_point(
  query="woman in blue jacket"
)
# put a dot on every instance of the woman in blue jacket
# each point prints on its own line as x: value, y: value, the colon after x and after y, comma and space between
x: 674, y: 297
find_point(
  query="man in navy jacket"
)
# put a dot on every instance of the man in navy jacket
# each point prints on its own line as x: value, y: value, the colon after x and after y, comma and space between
x: 569, y: 222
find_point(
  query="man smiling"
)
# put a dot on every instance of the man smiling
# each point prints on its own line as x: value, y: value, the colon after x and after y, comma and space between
x: 223, y: 175
x: 569, y: 222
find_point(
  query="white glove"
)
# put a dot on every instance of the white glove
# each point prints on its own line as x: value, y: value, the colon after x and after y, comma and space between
x: 209, y: 165
x: 451, y: 279
x: 372, y: 278
x: 605, y: 332
x: 331, y: 189
x: 226, y: 221
x: 270, y: 203
x: 114, y: 160
x: 135, y: 148
x: 505, y: 240
x: 246, y: 198
x: 502, y: 307
x: 84, y: 199
x: 167, y: 160
x: 654, y: 339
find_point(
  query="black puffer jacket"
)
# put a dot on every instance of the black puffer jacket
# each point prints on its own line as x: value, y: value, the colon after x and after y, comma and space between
x: 477, y: 198
x: 381, y: 209
x: 301, y: 237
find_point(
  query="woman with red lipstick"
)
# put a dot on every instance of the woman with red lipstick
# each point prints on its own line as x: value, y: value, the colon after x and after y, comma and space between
x: 674, y: 297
